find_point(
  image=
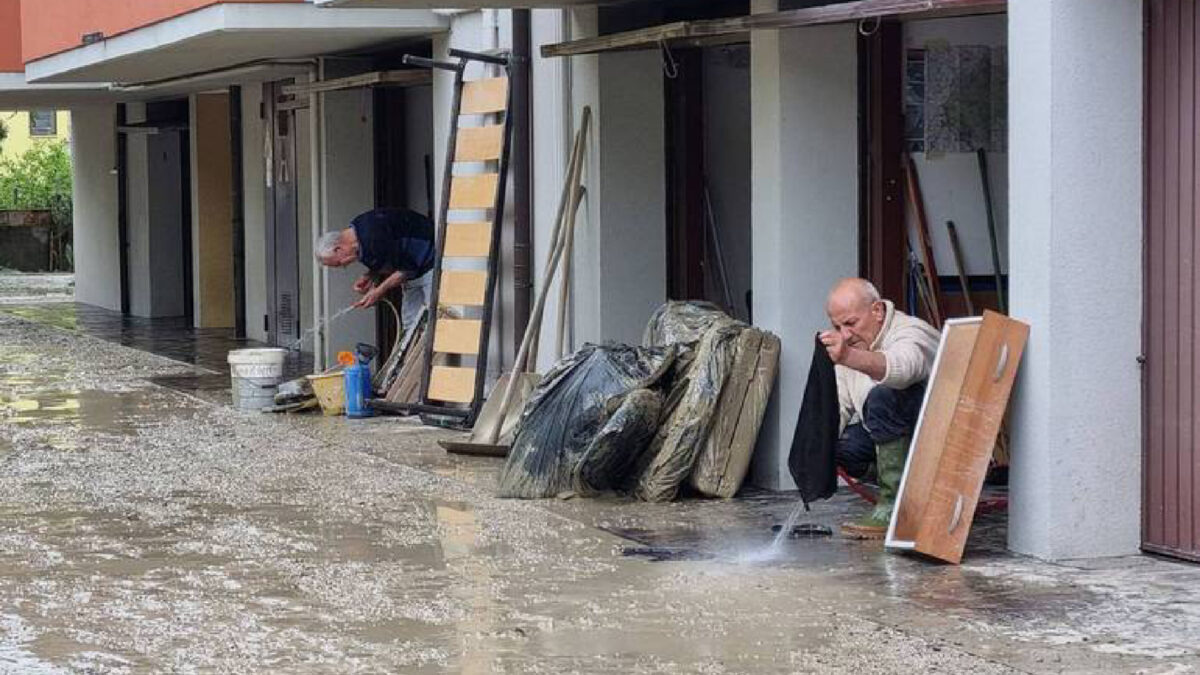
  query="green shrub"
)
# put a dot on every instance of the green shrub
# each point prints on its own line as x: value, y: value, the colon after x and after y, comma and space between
x: 40, y: 178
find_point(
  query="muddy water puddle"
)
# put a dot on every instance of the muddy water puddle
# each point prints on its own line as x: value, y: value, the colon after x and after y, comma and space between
x: 69, y: 419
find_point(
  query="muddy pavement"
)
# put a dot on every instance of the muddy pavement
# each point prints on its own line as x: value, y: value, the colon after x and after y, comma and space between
x: 147, y: 530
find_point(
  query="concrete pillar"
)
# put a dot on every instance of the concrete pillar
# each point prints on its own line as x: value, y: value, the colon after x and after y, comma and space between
x: 255, y: 205
x: 94, y: 192
x: 804, y: 214
x: 619, y: 266
x: 1075, y: 120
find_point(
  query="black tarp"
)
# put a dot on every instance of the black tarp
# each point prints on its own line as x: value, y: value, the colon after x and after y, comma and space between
x: 812, y: 460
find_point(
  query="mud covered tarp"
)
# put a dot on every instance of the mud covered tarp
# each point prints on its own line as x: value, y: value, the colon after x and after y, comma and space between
x: 722, y: 383
x: 565, y: 442
x: 689, y: 415
x: 682, y: 322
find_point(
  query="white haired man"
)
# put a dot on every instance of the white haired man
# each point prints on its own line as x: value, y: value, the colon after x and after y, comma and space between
x: 397, y: 248
x: 882, y: 359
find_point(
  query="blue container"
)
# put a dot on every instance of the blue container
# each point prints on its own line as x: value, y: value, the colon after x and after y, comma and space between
x: 358, y: 390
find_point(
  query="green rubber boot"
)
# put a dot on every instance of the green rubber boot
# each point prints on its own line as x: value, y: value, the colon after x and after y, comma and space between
x: 889, y: 459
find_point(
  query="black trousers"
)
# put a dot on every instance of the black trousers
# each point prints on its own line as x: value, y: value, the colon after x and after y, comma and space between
x: 889, y: 414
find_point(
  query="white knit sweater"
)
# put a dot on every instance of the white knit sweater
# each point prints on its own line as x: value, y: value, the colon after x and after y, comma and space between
x: 909, y: 346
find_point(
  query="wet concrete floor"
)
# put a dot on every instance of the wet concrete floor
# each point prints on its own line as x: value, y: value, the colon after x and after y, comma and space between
x: 145, y: 529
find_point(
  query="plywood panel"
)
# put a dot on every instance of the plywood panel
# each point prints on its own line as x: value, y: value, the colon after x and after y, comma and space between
x: 457, y: 336
x: 976, y: 421
x: 479, y: 144
x: 484, y: 96
x: 944, y: 388
x: 460, y: 287
x: 468, y: 240
x: 474, y: 192
x: 451, y: 384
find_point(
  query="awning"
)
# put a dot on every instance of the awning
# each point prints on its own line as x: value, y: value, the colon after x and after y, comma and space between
x: 18, y: 94
x: 229, y: 34
x: 734, y: 29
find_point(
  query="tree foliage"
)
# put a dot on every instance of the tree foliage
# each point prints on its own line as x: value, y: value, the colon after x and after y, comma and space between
x: 40, y: 178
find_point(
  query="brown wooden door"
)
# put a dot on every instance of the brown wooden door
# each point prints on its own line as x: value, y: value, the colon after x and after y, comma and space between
x: 1171, y: 506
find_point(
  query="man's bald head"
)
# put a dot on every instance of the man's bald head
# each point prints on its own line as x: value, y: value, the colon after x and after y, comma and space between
x: 853, y: 291
x: 857, y: 311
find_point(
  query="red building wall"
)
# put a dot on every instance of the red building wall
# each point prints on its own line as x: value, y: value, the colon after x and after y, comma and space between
x: 52, y: 26
x: 10, y: 37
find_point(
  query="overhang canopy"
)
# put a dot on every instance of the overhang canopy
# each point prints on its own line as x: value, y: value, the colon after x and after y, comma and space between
x: 735, y: 29
x: 17, y: 94
x: 225, y: 35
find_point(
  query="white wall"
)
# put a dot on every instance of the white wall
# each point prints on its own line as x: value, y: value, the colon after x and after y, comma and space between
x: 304, y: 238
x: 805, y: 205
x: 554, y: 119
x: 950, y: 182
x: 94, y: 191
x: 349, y: 184
x: 255, y: 205
x: 1075, y: 102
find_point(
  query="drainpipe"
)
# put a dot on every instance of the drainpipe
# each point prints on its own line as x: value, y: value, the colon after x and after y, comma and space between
x: 238, y: 212
x: 522, y: 176
x: 320, y: 274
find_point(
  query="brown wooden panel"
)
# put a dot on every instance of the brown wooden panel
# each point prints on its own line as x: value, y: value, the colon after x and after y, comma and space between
x: 451, y: 384
x: 479, y: 144
x: 945, y: 386
x: 1171, y: 522
x: 484, y: 96
x: 457, y: 336
x: 978, y: 414
x: 462, y: 287
x: 474, y: 192
x: 468, y: 240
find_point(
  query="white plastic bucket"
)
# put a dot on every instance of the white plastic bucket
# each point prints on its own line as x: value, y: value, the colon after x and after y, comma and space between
x: 255, y: 375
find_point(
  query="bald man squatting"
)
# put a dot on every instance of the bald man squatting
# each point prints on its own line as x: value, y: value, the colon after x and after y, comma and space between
x: 882, y: 358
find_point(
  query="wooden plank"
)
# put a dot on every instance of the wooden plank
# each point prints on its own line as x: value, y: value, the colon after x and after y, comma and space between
x: 479, y: 144
x: 452, y: 384
x: 384, y: 78
x: 978, y: 414
x: 468, y: 240
x: 457, y: 336
x: 654, y: 36
x: 480, y: 97
x: 1171, y: 285
x: 476, y: 191
x: 943, y: 389
x: 463, y: 287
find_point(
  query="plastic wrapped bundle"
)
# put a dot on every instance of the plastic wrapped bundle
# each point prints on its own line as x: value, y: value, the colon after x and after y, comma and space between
x: 725, y: 458
x: 682, y: 322
x: 614, y: 452
x: 567, y: 412
x: 687, y: 423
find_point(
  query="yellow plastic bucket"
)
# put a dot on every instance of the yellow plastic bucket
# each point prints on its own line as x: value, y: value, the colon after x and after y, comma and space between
x: 330, y: 389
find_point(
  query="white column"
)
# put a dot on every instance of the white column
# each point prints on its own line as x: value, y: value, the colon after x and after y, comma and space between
x: 94, y: 192
x: 804, y: 215
x: 1075, y: 119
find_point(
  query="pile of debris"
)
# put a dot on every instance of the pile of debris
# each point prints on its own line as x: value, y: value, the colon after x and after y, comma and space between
x: 681, y: 411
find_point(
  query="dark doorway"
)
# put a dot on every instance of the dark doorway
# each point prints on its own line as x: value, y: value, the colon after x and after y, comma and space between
x: 282, y: 208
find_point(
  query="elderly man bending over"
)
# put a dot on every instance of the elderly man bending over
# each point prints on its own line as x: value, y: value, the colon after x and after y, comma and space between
x: 882, y: 358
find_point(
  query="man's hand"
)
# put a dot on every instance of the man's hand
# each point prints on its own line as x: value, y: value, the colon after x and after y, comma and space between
x: 835, y: 345
x: 370, y: 298
x: 362, y: 285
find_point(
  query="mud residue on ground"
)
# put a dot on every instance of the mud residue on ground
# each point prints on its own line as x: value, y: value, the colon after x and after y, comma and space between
x: 146, y: 530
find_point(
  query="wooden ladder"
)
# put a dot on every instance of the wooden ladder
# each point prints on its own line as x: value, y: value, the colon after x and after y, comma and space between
x: 455, y: 392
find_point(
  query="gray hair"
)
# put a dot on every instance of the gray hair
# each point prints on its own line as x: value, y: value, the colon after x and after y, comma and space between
x: 327, y: 244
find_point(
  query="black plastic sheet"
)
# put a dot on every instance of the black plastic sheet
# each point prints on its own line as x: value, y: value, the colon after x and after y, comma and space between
x: 556, y: 449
